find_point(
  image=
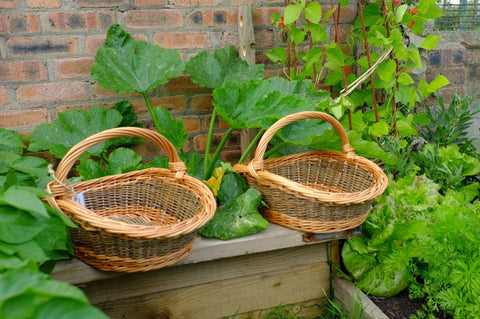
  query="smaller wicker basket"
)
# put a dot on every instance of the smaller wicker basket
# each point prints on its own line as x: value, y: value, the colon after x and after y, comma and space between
x: 319, y: 191
x: 137, y: 221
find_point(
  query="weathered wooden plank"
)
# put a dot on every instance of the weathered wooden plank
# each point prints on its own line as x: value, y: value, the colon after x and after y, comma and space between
x: 138, y: 284
x: 218, y: 299
x: 203, y: 249
x: 304, y: 309
x: 246, y: 48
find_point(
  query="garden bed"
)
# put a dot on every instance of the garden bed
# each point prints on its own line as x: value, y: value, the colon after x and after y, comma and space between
x: 241, y: 277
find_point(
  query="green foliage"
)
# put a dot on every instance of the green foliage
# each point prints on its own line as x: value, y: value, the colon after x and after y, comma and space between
x: 73, y: 126
x: 448, y: 125
x: 237, y: 215
x: 223, y: 66
x: 26, y: 294
x: 126, y: 65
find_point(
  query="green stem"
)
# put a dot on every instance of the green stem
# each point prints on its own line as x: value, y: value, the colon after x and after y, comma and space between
x: 250, y: 146
x: 208, y: 145
x: 150, y: 110
x: 273, y: 149
x: 211, y: 164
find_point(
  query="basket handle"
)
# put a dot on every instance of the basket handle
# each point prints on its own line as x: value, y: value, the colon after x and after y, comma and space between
x: 76, y: 151
x: 257, y: 161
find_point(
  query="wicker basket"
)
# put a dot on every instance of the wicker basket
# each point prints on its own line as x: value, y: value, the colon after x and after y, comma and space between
x: 318, y: 191
x: 136, y: 221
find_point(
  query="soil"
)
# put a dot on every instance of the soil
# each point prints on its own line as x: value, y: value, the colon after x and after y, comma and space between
x: 401, y: 307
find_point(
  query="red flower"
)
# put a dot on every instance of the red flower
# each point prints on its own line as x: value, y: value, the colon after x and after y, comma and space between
x: 281, y: 24
x: 411, y: 24
x: 414, y: 11
x: 396, y: 2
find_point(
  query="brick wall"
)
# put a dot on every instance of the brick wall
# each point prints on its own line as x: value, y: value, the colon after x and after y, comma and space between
x: 48, y: 46
x: 457, y: 57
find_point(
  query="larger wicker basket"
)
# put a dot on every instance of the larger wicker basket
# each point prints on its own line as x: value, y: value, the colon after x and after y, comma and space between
x: 318, y: 191
x: 136, y: 221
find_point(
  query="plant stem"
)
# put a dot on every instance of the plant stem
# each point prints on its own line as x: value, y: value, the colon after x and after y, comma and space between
x: 276, y: 147
x: 211, y: 164
x: 150, y: 110
x: 250, y: 146
x: 209, y: 141
x: 367, y: 51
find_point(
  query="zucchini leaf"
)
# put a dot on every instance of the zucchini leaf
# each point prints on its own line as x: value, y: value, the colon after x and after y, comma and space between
x: 238, y: 218
x: 224, y: 65
x: 172, y: 129
x: 125, y: 65
x: 11, y: 142
x: 72, y: 127
x: 258, y: 104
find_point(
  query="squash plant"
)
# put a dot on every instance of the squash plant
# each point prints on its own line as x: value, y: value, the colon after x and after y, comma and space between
x: 33, y: 236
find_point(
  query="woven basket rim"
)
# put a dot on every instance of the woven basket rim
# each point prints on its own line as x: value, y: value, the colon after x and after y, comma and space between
x: 62, y: 198
x: 302, y: 191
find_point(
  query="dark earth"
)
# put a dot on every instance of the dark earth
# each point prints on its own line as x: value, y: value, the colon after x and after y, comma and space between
x: 401, y: 307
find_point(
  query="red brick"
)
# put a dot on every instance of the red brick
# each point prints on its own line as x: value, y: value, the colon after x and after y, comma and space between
x: 73, y: 68
x: 4, y: 99
x: 23, y: 119
x: 191, y: 3
x: 202, y: 103
x: 41, y: 45
x: 80, y: 21
x: 243, y: 2
x: 264, y: 38
x: 52, y: 92
x: 183, y: 40
x: 347, y: 14
x: 93, y: 43
x: 212, y: 18
x: 200, y: 141
x: 153, y: 18
x: 175, y: 103
x: 229, y: 38
x: 182, y: 84
x: 343, y: 32
x: 219, y: 123
x: 98, y: 91
x: 149, y: 2
x: 261, y: 16
x: 19, y: 23
x: 21, y: 71
x: 191, y: 123
x: 44, y: 4
x: 101, y: 3
x: 9, y: 4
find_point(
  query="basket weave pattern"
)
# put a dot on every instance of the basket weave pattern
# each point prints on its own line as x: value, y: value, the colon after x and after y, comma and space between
x: 136, y: 221
x: 318, y: 191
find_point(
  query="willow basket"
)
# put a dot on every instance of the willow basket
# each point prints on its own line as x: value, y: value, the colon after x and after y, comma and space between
x: 319, y: 191
x: 136, y: 221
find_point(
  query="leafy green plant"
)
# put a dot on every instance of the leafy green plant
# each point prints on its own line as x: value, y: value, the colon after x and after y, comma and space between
x: 25, y: 293
x: 33, y: 236
x: 448, y: 125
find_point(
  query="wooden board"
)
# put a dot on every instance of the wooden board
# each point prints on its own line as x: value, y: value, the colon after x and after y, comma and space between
x: 219, y: 288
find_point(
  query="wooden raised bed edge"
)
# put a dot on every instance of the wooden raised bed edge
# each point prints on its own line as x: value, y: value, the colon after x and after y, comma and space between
x: 354, y: 301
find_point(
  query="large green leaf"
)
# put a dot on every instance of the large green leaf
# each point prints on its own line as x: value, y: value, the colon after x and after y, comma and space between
x: 224, y: 65
x: 11, y: 142
x: 172, y: 129
x: 126, y: 65
x: 17, y: 226
x: 24, y: 200
x: 72, y: 127
x: 261, y: 103
x: 30, y: 294
x: 238, y: 218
